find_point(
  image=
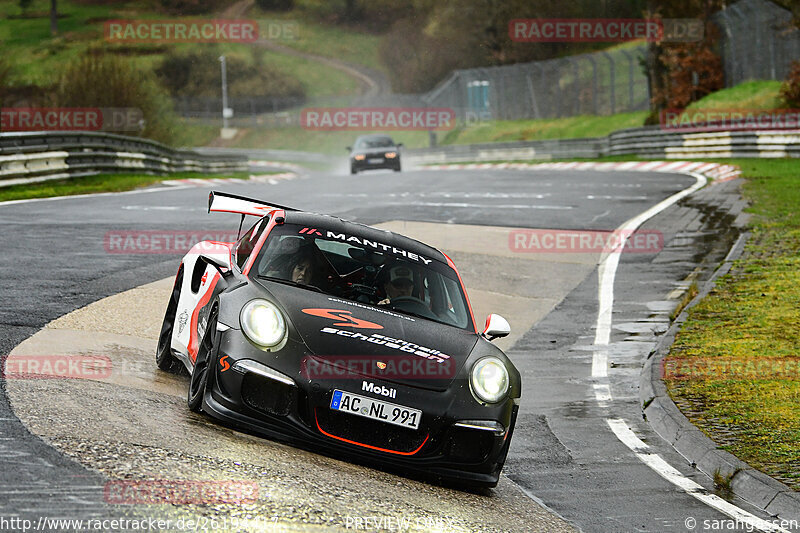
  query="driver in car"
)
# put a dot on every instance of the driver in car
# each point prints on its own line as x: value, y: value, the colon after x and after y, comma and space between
x: 303, y: 270
x: 400, y: 283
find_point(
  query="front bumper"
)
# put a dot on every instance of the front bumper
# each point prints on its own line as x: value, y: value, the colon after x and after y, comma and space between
x: 299, y: 413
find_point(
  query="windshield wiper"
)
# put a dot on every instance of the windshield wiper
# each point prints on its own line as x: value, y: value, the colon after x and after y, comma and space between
x: 292, y: 283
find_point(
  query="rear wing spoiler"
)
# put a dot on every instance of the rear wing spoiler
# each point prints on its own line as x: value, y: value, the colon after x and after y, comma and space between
x: 221, y: 202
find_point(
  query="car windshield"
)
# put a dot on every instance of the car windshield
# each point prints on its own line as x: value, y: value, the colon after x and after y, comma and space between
x: 362, y: 270
x: 375, y: 142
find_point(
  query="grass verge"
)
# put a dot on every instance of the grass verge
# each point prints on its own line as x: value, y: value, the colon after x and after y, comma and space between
x: 738, y: 354
x: 98, y: 183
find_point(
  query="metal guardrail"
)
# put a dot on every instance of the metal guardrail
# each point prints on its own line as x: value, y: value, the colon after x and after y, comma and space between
x: 647, y: 142
x: 656, y: 142
x: 265, y: 154
x: 38, y: 156
x: 523, y: 150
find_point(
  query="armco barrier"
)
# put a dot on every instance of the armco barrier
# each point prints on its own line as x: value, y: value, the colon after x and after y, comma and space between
x: 554, y: 149
x: 39, y: 156
x: 269, y: 155
x: 656, y: 142
x: 648, y: 142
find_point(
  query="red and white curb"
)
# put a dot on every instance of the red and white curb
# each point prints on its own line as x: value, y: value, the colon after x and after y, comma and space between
x: 276, y: 164
x: 272, y: 179
x: 713, y: 171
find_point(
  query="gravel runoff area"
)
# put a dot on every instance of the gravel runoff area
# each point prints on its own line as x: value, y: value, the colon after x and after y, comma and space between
x: 134, y: 424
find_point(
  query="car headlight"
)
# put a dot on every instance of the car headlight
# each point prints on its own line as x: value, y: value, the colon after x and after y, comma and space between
x: 263, y: 323
x: 359, y: 157
x: 489, y: 379
x: 391, y: 155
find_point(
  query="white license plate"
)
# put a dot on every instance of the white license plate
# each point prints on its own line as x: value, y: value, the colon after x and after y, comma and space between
x: 375, y: 161
x: 391, y: 413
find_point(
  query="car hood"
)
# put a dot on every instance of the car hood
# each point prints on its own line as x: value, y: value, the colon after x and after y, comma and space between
x: 373, y: 342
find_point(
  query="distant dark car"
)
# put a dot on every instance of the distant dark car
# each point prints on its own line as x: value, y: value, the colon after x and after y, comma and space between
x: 342, y: 338
x: 374, y: 151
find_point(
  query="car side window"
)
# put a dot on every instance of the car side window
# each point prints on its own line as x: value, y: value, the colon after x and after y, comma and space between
x: 244, y: 246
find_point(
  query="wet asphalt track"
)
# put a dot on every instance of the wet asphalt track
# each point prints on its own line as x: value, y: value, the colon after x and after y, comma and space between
x: 563, y: 452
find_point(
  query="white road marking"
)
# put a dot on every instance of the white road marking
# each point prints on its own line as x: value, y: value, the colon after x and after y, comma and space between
x: 602, y: 393
x: 156, y: 208
x: 606, y: 273
x: 610, y: 197
x: 600, y: 363
x: 607, y: 269
x: 668, y: 472
x: 508, y: 206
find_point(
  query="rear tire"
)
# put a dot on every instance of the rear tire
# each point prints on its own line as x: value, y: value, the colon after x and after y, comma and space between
x: 165, y: 360
x: 199, y: 380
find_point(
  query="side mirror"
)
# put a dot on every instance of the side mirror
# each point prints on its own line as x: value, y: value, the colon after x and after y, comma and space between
x: 349, y: 149
x: 399, y: 145
x: 496, y: 326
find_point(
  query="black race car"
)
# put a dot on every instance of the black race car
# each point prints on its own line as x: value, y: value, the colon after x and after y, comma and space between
x: 342, y: 338
x: 374, y: 151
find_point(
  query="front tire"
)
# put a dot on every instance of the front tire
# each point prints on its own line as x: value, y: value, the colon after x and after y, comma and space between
x: 205, y: 353
x: 165, y: 360
x: 353, y: 170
